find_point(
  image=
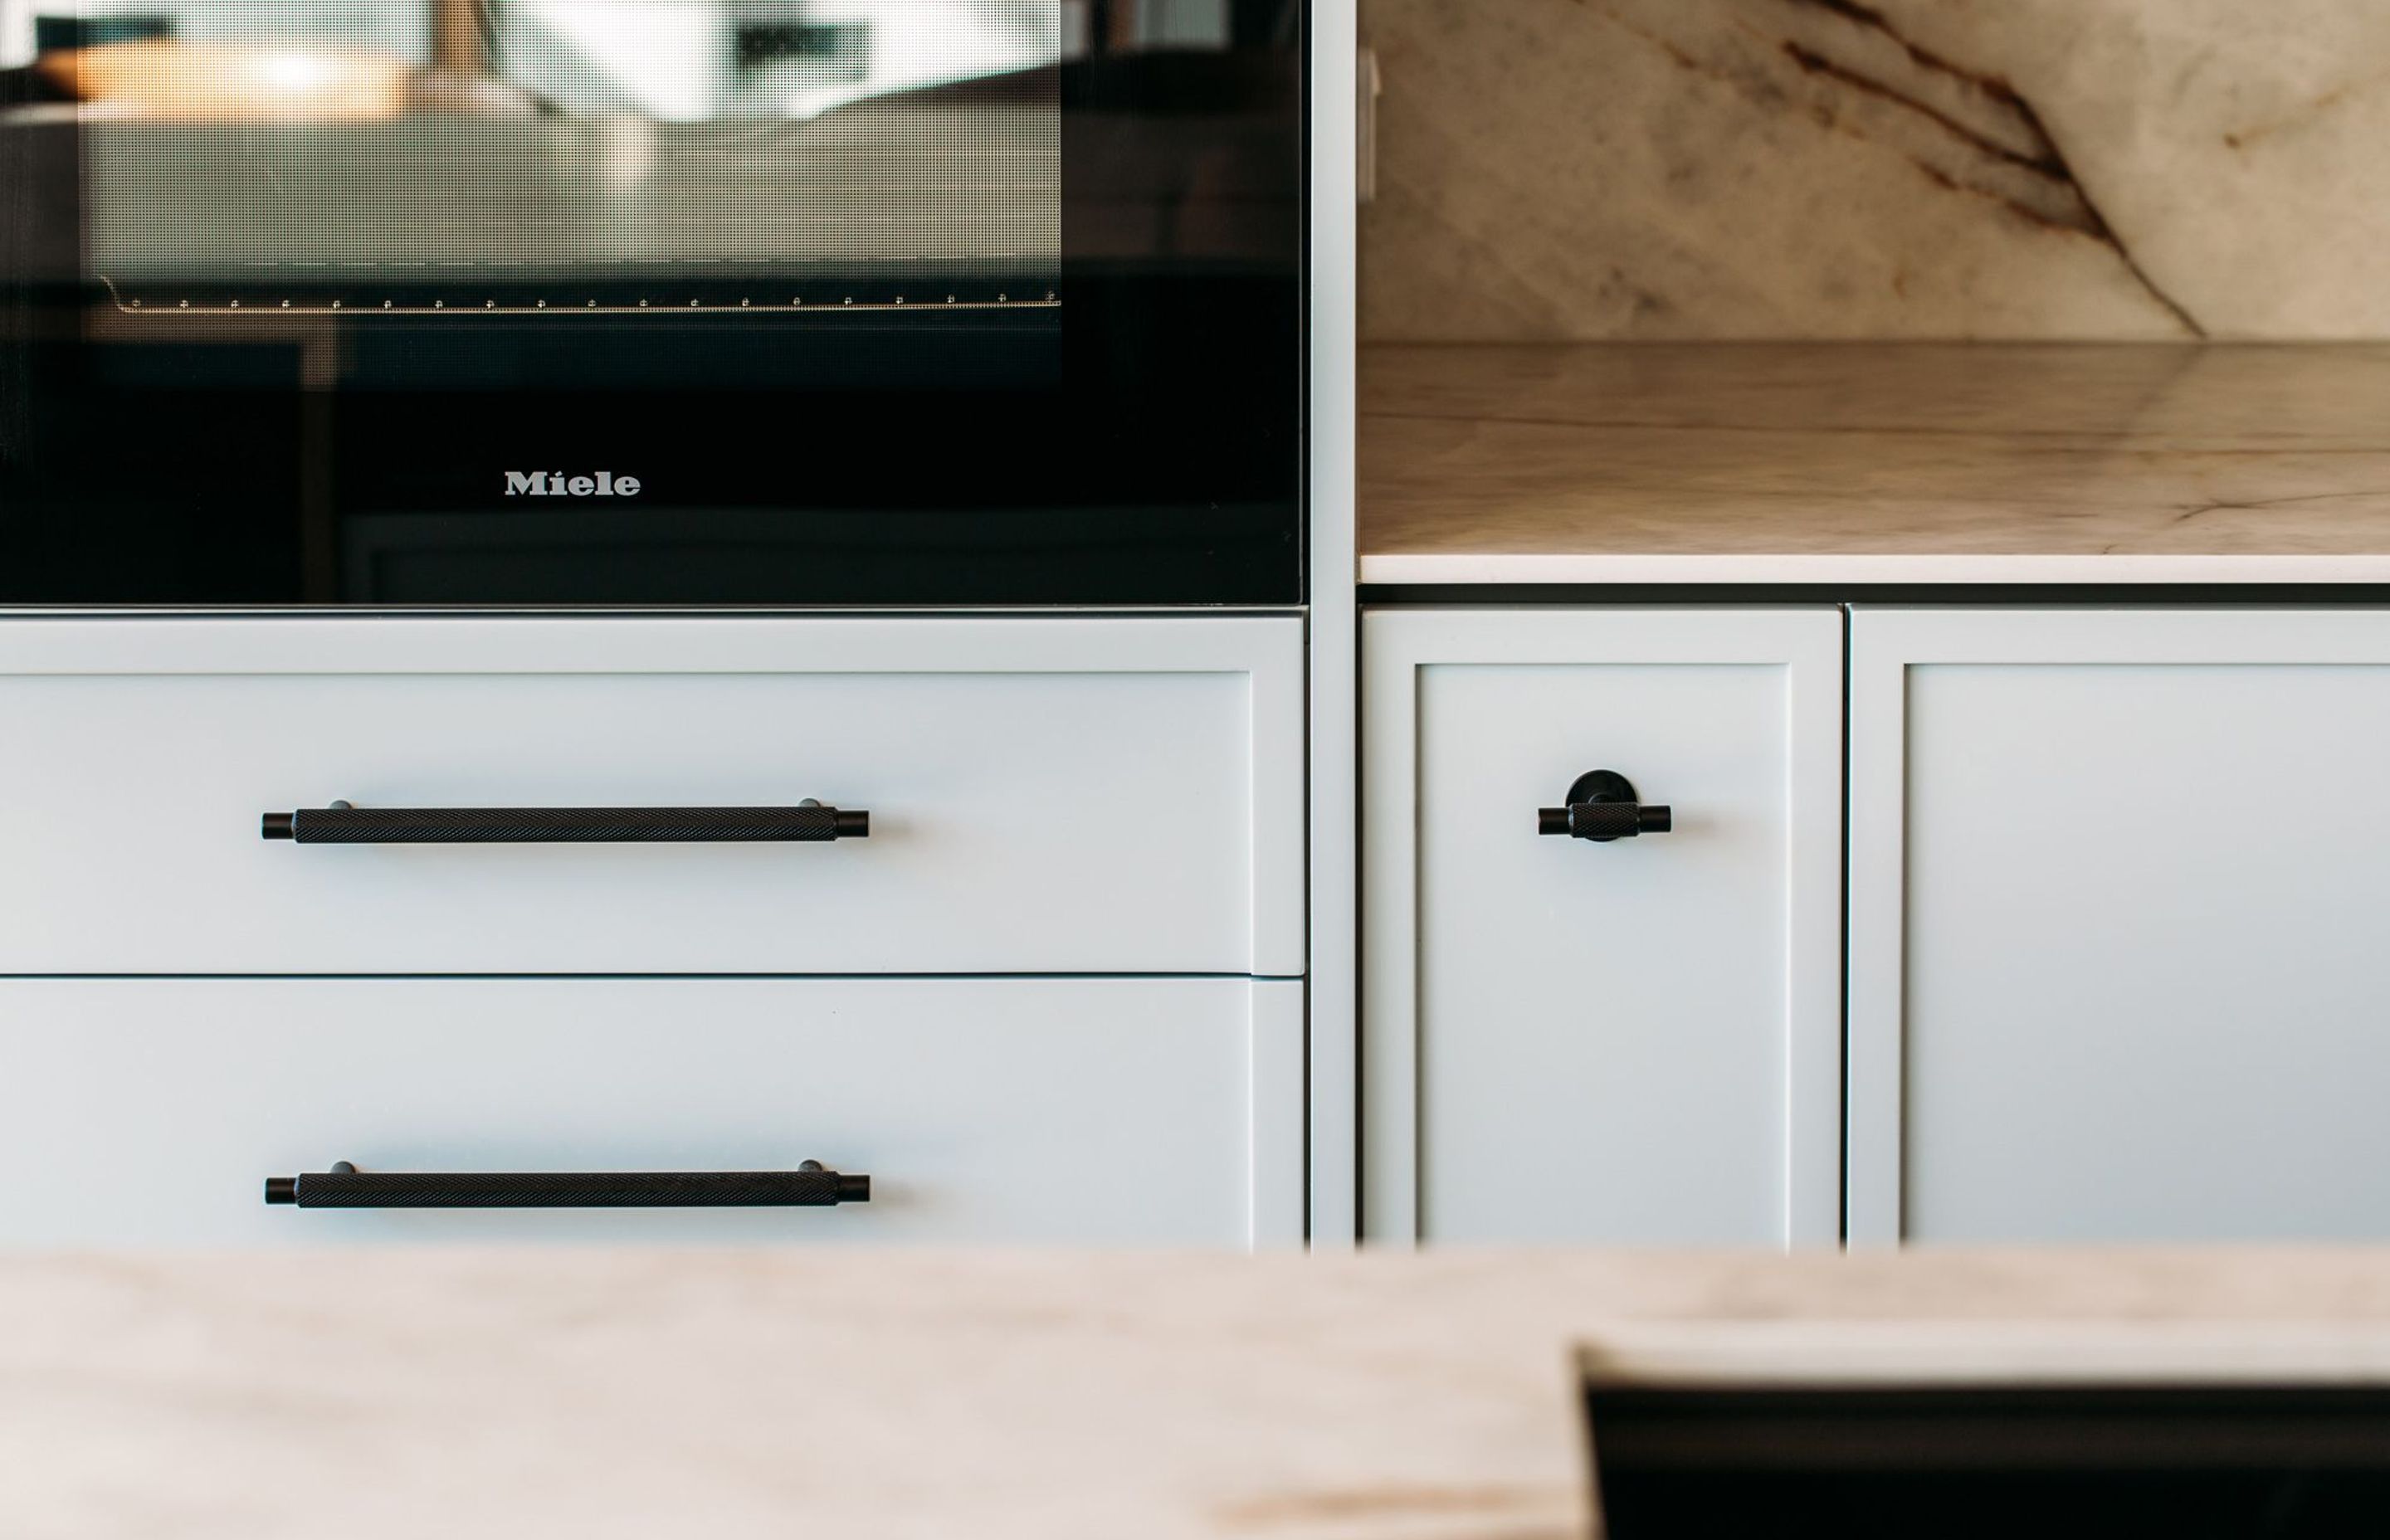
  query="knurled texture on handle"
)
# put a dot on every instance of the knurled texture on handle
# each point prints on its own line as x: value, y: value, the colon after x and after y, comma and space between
x: 587, y: 1189
x: 463, y: 825
x: 1603, y: 820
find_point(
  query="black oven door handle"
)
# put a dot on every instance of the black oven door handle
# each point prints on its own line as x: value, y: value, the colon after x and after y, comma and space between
x: 340, y: 824
x: 811, y: 1185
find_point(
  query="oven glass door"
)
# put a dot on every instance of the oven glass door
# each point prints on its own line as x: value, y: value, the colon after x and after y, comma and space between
x: 519, y: 302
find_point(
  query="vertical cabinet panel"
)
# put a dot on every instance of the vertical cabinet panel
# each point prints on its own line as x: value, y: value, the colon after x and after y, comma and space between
x: 1627, y: 1042
x: 2120, y: 926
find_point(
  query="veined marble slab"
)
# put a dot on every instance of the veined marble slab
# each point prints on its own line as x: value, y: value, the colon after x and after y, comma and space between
x: 1875, y: 463
x: 1741, y: 169
x: 376, y: 1396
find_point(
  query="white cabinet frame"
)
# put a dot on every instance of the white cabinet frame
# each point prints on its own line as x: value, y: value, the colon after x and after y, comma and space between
x: 1334, y: 624
x: 1393, y: 657
x: 1884, y: 645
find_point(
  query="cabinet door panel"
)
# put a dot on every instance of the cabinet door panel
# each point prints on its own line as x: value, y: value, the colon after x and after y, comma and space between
x: 2120, y: 889
x: 1631, y: 1042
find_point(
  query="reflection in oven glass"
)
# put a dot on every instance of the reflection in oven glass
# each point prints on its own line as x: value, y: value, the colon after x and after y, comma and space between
x: 564, y: 155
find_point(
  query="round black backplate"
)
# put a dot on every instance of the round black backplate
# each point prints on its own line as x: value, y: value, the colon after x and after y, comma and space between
x: 1602, y: 786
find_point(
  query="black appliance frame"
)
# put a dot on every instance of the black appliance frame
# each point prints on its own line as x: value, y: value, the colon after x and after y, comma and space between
x: 1161, y: 463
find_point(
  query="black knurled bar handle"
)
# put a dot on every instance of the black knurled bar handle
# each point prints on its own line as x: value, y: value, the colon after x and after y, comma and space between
x: 569, y: 1189
x: 495, y: 826
x: 1604, y: 820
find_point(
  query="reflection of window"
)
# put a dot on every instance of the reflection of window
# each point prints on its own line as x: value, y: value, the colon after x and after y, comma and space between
x: 784, y: 68
x: 54, y: 33
x: 1123, y: 26
x: 1181, y: 23
x: 395, y: 27
x: 836, y: 50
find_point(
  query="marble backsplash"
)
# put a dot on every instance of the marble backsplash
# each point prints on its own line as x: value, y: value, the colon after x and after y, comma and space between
x: 1820, y: 169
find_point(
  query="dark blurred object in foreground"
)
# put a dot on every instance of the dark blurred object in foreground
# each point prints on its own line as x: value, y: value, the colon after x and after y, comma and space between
x: 1972, y: 1454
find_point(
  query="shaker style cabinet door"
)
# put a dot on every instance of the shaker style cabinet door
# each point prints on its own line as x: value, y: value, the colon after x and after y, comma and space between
x: 2120, y: 926
x: 1586, y: 1019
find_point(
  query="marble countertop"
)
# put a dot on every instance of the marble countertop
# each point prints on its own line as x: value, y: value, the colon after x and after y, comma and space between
x: 1863, y: 463
x: 746, y: 1394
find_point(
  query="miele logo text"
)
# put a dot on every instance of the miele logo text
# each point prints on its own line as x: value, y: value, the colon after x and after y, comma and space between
x: 556, y: 483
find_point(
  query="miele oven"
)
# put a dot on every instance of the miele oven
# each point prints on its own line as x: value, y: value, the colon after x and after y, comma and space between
x: 628, y: 302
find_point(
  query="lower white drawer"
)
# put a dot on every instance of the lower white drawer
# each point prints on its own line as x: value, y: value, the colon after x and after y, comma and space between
x: 153, y: 1113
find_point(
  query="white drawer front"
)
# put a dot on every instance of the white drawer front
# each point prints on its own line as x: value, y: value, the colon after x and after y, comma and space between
x: 150, y: 1112
x: 1046, y: 795
x: 1626, y: 1042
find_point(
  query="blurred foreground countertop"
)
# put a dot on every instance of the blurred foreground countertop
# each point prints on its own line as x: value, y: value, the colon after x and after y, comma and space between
x: 1867, y: 463
x: 730, y: 1395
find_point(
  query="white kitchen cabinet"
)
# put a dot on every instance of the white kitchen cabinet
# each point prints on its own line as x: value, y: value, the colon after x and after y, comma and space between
x: 1630, y: 1042
x: 1150, y: 1111
x: 1115, y: 794
x: 2120, y: 925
